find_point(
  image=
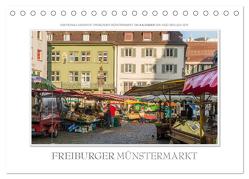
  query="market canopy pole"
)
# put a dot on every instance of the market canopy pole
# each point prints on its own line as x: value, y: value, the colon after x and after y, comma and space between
x: 202, y: 115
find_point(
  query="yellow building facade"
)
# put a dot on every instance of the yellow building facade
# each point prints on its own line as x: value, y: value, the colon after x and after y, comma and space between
x: 76, y: 66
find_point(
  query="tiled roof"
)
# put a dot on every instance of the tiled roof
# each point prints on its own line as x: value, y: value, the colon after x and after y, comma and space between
x: 200, y: 51
x: 117, y: 37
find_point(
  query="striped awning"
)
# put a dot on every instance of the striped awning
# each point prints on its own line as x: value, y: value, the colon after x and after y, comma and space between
x: 203, y: 82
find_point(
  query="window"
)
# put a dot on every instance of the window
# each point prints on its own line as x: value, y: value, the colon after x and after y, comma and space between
x: 39, y: 35
x: 202, y: 67
x: 128, y: 52
x: 86, y: 77
x: 169, y: 68
x: 128, y: 36
x: 39, y: 54
x: 74, y: 56
x: 55, y: 76
x: 148, y: 68
x: 147, y: 36
x: 170, y: 52
x: 102, y: 56
x: 105, y: 76
x: 127, y: 86
x: 73, y: 76
x: 50, y: 37
x: 66, y: 37
x: 128, y: 68
x: 55, y: 56
x: 141, y: 83
x: 165, y: 36
x: 86, y: 37
x: 149, y: 52
x: 104, y: 37
x: 85, y: 56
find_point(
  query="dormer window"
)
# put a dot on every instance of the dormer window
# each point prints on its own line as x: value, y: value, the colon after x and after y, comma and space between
x: 147, y: 36
x: 85, y: 37
x: 128, y: 36
x: 165, y: 36
x: 66, y: 37
x: 104, y: 37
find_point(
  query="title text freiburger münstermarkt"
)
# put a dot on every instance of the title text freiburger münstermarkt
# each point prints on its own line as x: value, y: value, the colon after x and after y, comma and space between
x: 128, y: 155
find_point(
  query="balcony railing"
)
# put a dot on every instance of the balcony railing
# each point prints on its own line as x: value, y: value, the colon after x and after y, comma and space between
x: 85, y: 86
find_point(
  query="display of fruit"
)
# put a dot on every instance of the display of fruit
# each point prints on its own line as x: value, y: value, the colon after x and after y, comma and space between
x: 133, y: 116
x: 87, y: 118
x: 150, y: 116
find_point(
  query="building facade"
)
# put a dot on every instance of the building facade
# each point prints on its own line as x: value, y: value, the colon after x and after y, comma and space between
x: 75, y: 59
x: 145, y: 58
x: 127, y: 59
x: 200, y: 55
x: 39, y: 53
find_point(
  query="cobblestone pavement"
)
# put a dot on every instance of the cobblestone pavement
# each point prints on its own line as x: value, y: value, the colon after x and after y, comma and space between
x: 126, y: 134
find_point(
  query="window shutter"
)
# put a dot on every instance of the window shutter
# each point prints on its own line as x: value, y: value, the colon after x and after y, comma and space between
x: 133, y: 52
x: 143, y: 52
x: 154, y: 52
x: 164, y: 52
x: 154, y: 68
x: 175, y: 52
x: 163, y: 68
x: 175, y: 69
x: 122, y: 68
x: 142, y: 68
x: 134, y: 68
x: 122, y: 52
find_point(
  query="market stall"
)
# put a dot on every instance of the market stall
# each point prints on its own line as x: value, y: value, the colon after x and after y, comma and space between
x: 183, y: 128
x: 166, y: 88
x: 201, y: 85
x: 47, y: 111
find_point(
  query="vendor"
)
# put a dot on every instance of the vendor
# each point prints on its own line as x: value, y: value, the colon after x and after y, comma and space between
x: 89, y: 111
x: 189, y: 112
x: 167, y: 111
x: 77, y: 107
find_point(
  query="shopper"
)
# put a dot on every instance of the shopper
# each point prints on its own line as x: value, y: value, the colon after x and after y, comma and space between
x: 142, y: 114
x: 107, y: 116
x: 112, y: 111
x: 189, y: 112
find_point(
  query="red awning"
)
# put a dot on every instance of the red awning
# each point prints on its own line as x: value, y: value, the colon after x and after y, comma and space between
x: 203, y: 82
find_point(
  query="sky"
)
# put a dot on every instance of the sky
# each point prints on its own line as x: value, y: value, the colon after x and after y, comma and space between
x: 197, y: 34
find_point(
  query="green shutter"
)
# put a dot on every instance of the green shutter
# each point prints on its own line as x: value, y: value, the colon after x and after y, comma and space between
x: 134, y: 52
x: 143, y: 52
x: 175, y: 52
x: 122, y: 68
x: 154, y: 52
x: 154, y: 68
x: 164, y: 52
x: 163, y: 68
x: 142, y: 68
x: 122, y: 52
x: 134, y: 68
x: 175, y: 69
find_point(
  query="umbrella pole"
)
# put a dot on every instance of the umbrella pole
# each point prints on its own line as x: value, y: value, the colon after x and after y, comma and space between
x: 202, y: 116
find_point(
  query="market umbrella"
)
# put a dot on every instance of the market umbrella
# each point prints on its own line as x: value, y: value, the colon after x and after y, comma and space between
x: 42, y: 83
